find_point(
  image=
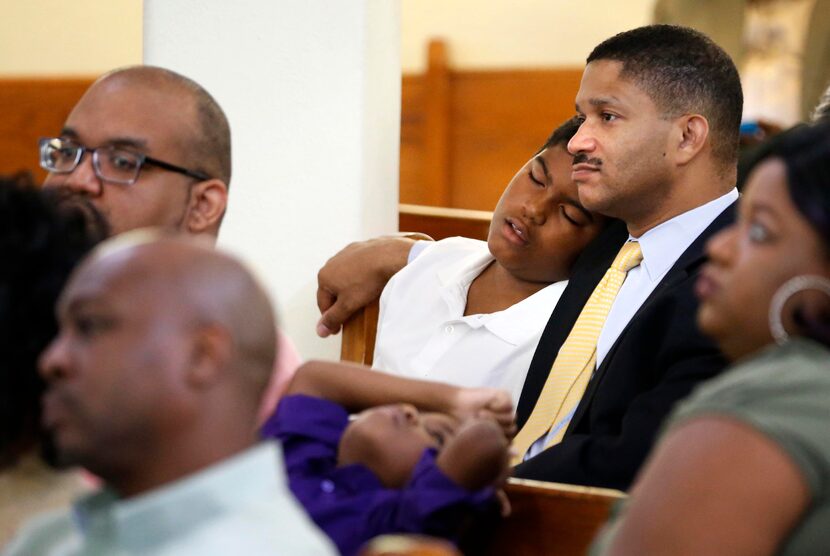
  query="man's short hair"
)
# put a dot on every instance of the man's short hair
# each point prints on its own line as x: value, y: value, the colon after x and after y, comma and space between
x: 683, y: 71
x: 210, y: 150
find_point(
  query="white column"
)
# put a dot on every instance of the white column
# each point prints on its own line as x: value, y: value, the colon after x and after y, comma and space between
x: 312, y: 91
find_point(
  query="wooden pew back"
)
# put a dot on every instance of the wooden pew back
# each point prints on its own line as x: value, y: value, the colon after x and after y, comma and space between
x: 464, y: 134
x: 548, y: 518
x: 33, y: 108
x: 440, y: 222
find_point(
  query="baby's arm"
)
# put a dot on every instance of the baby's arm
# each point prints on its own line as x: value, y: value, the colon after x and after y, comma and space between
x: 477, y: 456
x: 356, y: 388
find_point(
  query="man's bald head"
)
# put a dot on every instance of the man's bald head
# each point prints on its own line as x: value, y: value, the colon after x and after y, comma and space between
x: 165, y: 349
x: 210, y: 138
x: 169, y: 119
x: 189, y: 278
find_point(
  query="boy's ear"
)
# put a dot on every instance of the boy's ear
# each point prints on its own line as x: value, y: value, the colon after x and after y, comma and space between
x: 208, y: 201
x: 693, y: 130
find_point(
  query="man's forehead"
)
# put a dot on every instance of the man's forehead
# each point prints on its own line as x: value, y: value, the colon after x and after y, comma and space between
x: 604, y: 83
x: 130, y: 113
x: 94, y: 281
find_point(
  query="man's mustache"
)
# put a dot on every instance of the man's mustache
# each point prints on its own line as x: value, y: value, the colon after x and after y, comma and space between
x: 582, y: 158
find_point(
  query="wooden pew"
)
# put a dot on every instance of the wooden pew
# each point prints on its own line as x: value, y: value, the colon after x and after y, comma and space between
x: 549, y: 519
x: 464, y: 134
x: 33, y: 108
x: 441, y: 222
x: 546, y: 518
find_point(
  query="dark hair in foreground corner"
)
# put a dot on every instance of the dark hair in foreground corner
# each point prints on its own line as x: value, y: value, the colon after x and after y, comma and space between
x: 562, y: 135
x: 683, y: 71
x: 42, y: 237
x: 805, y: 151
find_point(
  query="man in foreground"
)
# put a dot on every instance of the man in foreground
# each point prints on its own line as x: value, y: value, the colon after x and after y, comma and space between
x: 165, y: 346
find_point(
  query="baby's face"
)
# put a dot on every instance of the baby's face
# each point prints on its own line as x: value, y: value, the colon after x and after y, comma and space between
x: 390, y: 440
x: 539, y: 227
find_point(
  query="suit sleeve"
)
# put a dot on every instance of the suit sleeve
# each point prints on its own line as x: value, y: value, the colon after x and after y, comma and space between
x: 657, y: 361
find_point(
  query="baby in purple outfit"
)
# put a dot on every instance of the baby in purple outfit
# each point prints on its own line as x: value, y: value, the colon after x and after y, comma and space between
x: 396, y: 467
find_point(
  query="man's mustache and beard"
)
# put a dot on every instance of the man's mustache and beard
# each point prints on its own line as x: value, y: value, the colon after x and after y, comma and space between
x: 78, y: 208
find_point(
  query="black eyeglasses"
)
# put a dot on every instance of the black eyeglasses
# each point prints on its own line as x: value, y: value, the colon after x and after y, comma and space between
x: 112, y: 164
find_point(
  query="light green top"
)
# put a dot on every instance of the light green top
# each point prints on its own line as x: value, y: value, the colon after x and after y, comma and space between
x: 783, y: 393
x: 240, y: 506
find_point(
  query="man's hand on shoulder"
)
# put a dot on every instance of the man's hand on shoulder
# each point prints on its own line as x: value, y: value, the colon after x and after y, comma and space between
x: 355, y: 277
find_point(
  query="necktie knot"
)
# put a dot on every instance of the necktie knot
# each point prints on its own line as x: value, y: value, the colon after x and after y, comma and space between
x: 629, y: 256
x: 576, y: 360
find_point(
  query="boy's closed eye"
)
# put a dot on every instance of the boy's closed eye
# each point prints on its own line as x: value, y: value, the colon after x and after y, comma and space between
x: 439, y: 426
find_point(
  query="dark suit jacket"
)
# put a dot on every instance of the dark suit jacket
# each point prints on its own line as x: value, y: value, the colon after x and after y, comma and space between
x: 657, y: 360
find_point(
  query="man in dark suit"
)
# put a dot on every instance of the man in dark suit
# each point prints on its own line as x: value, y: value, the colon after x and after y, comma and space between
x: 657, y: 148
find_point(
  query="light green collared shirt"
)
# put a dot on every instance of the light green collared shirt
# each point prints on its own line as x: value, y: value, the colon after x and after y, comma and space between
x: 240, y: 506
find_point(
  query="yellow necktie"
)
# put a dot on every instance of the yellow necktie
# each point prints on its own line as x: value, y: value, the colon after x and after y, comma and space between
x: 575, y: 363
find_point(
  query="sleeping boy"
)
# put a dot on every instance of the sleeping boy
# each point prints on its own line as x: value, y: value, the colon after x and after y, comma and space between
x: 469, y: 312
x: 394, y: 468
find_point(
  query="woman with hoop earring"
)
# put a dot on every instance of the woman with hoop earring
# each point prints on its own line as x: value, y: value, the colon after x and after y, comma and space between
x: 743, y: 465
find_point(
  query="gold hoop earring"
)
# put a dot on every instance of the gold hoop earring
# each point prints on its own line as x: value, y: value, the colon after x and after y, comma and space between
x: 784, y: 293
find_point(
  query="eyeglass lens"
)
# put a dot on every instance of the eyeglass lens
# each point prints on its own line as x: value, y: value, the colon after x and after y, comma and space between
x: 110, y: 163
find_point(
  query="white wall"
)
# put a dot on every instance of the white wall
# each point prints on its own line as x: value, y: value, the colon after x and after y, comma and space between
x: 526, y: 33
x: 89, y: 37
x: 81, y: 37
x: 312, y: 91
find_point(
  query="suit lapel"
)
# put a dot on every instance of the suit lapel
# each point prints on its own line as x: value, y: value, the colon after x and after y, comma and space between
x: 688, y: 263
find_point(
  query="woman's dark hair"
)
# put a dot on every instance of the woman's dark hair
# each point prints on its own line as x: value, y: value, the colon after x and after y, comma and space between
x: 42, y: 236
x: 805, y: 151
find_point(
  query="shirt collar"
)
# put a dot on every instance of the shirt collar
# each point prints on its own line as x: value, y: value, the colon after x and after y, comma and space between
x: 519, y: 322
x: 514, y: 324
x: 155, y: 517
x: 455, y: 278
x: 663, y: 244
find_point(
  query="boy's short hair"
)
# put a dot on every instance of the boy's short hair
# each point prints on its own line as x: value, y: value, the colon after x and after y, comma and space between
x: 562, y: 134
x: 683, y: 71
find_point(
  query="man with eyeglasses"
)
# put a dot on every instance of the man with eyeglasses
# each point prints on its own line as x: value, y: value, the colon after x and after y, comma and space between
x: 148, y: 147
x: 152, y: 148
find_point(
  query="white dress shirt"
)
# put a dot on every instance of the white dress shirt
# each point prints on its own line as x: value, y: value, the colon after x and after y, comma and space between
x: 661, y: 247
x: 423, y: 333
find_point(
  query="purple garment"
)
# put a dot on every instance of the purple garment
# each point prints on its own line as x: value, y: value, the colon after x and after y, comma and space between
x: 349, y: 503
